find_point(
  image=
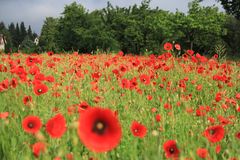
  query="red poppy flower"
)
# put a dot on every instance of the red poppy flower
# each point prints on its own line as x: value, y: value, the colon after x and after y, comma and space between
x: 158, y: 117
x: 202, y: 153
x: 39, y: 77
x: 145, y: 79
x: 218, y: 149
x: 56, y: 126
x: 31, y: 61
x: 190, y: 52
x: 40, y: 89
x: 34, y: 70
x: 83, y: 106
x: 99, y: 129
x: 96, y: 75
x: 27, y: 99
x: 168, y: 46
x: 177, y: 46
x: 14, y: 82
x: 138, y: 130
x: 237, y: 135
x: 238, y: 96
x: 50, y: 78
x: 50, y: 53
x: 125, y: 83
x: 214, y: 133
x: 120, y: 53
x: 31, y: 124
x: 171, y: 150
x: 69, y: 156
x: 38, y: 148
x: 122, y: 68
x: 4, y: 115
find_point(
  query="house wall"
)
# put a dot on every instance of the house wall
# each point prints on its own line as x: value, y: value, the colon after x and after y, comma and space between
x: 2, y: 46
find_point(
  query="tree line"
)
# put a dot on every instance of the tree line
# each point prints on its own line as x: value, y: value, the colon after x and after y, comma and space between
x: 136, y: 29
x: 139, y: 28
x: 18, y: 37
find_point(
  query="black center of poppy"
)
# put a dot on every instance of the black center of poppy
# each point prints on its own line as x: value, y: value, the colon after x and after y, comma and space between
x: 171, y: 150
x: 99, y: 127
x: 30, y: 60
x: 39, y: 90
x: 212, y: 132
x: 84, y: 106
x: 30, y: 125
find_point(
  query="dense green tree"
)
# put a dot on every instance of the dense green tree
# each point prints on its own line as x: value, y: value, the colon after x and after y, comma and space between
x: 232, y: 38
x: 27, y: 45
x: 23, y: 32
x: 232, y: 7
x: 29, y: 33
x: 202, y: 27
x: 17, y: 36
x: 137, y: 28
x: 49, y: 34
x: 72, y: 27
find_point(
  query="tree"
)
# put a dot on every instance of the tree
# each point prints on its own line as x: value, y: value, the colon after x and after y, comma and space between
x: 203, y: 27
x: 232, y: 7
x: 17, y: 35
x: 48, y: 35
x: 72, y: 27
x: 232, y: 38
x: 27, y: 45
x: 23, y: 32
x: 29, y: 33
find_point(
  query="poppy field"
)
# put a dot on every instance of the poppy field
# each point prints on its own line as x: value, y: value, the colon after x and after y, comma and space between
x: 74, y: 106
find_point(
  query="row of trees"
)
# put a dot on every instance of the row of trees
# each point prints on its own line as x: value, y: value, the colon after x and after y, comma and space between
x: 137, y: 28
x: 17, y: 37
x: 134, y: 29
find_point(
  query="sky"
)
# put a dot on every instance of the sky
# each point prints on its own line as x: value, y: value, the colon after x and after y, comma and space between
x: 34, y: 12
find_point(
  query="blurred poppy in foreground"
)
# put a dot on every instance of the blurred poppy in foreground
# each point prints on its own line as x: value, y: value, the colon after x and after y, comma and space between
x: 99, y: 129
x: 38, y: 148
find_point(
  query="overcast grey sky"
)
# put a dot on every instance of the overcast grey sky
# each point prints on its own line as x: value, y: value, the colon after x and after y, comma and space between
x: 34, y: 12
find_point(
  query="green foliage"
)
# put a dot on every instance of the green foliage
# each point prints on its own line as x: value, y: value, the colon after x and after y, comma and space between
x: 15, y: 35
x: 232, y: 7
x: 133, y: 29
x: 28, y: 46
x: 47, y: 40
x: 232, y: 37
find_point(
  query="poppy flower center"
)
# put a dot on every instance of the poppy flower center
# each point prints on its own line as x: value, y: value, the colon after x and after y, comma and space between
x: 171, y: 150
x: 84, y: 107
x: 39, y: 90
x: 30, y: 125
x: 212, y: 132
x: 135, y: 130
x: 99, y: 127
x: 30, y: 60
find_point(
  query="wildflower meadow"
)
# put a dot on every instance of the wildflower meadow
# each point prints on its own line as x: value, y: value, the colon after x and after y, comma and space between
x: 73, y: 106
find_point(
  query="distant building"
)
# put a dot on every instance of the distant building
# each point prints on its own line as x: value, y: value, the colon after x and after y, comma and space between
x: 2, y: 43
x: 36, y: 41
